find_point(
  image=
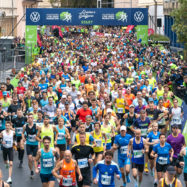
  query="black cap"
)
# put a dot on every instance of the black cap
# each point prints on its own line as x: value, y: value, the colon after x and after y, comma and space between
x: 171, y: 170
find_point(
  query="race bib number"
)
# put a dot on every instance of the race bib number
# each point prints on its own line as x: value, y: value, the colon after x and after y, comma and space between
x: 8, y: 143
x: 138, y: 153
x: 32, y: 138
x: 176, y: 121
x: 123, y: 149
x: 105, y: 179
x: 51, y: 114
x: 67, y: 181
x: 19, y: 130
x: 83, y: 163
x: 120, y: 110
x: 162, y: 160
x: 61, y: 136
x: 48, y: 163
x: 98, y: 143
x: 144, y: 132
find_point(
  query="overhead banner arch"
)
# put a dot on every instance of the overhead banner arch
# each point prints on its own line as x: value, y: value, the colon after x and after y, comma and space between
x: 87, y: 16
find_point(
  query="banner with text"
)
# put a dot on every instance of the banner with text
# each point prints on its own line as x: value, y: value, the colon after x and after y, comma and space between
x: 30, y: 42
x: 142, y: 33
x: 87, y: 16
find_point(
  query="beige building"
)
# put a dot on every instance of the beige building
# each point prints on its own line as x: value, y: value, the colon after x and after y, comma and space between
x: 126, y: 3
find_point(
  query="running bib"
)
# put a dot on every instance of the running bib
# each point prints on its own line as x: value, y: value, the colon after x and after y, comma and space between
x: 83, y: 163
x: 138, y: 153
x: 144, y: 132
x: 120, y: 110
x: 105, y: 179
x: 98, y: 143
x: 162, y: 160
x: 51, y: 114
x: 61, y: 136
x: 8, y: 143
x: 32, y: 138
x: 47, y: 163
x: 176, y: 120
x: 67, y: 181
x: 19, y: 130
x: 39, y: 124
x: 123, y: 149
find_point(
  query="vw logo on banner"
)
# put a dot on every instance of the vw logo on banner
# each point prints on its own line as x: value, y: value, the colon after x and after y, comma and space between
x: 138, y: 16
x: 35, y: 16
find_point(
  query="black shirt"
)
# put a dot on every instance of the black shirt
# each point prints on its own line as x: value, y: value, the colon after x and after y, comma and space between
x: 19, y: 122
x: 82, y: 154
x: 9, y: 87
x: 13, y: 108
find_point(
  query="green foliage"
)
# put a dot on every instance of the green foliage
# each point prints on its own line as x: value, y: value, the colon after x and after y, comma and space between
x: 158, y: 37
x: 180, y: 22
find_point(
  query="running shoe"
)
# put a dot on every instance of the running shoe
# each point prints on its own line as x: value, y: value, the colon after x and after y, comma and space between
x: 135, y: 184
x: 128, y: 179
x: 146, y: 170
x: 32, y: 174
x: 9, y: 181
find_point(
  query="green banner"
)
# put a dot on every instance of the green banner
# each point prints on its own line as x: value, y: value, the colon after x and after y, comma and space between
x: 30, y: 42
x: 142, y: 33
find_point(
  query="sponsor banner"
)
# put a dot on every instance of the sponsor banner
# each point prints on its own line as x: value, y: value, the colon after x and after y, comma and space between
x: 142, y: 33
x: 30, y: 42
x: 87, y: 16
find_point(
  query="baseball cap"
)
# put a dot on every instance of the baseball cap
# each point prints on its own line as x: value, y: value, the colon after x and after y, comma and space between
x: 4, y: 93
x: 123, y: 128
x: 63, y: 96
x: 150, y: 99
x: 131, y: 106
x: 171, y: 170
x: 109, y: 110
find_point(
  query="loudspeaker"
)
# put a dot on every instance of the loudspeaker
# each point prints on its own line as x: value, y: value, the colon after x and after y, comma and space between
x: 159, y: 22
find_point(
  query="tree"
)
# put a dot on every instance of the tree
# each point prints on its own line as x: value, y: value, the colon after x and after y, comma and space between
x: 180, y: 24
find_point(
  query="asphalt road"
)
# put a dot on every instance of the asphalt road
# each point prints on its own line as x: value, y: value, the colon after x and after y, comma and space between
x: 21, y: 176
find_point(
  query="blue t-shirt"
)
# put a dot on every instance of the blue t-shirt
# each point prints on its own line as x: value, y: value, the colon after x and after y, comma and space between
x: 43, y: 86
x: 122, y: 142
x: 106, y: 173
x: 152, y: 137
x: 163, y: 153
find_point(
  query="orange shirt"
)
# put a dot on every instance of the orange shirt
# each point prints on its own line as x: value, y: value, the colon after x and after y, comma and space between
x: 129, y: 99
x: 82, y: 78
x: 89, y: 87
x: 166, y: 103
x: 68, y: 173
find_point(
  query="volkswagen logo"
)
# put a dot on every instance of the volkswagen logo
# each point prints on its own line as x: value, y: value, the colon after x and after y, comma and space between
x: 35, y: 16
x: 138, y: 16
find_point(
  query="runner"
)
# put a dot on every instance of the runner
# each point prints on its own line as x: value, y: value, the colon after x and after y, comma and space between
x: 63, y: 135
x: 7, y: 136
x: 177, y: 141
x: 67, y: 171
x: 121, y: 142
x: 163, y: 153
x: 18, y: 123
x: 82, y: 154
x: 107, y: 168
x: 30, y: 130
x: 47, y: 156
x: 2, y: 183
x: 98, y: 136
x: 137, y: 145
x: 170, y: 179
x: 47, y: 130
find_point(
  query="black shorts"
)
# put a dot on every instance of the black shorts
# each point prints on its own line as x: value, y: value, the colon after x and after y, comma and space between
x: 8, y: 152
x: 175, y: 162
x: 31, y: 149
x: 18, y: 139
x: 149, y: 153
x: 185, y: 177
x: 161, y: 127
x: 45, y: 178
x: 161, y: 168
x: 62, y: 147
x: 120, y: 116
x: 139, y: 167
x: 98, y: 153
x: 87, y: 179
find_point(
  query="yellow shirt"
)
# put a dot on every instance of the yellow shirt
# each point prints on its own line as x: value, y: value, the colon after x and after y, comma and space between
x: 120, y: 102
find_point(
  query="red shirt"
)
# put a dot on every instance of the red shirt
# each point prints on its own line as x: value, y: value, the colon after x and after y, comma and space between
x: 20, y: 90
x: 83, y: 113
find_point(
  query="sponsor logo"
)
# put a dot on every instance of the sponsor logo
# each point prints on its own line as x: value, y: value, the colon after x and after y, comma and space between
x: 138, y: 16
x: 121, y: 16
x: 66, y: 16
x: 86, y: 14
x: 35, y: 17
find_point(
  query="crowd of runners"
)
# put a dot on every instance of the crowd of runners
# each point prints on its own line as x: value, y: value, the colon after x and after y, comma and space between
x: 87, y: 95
